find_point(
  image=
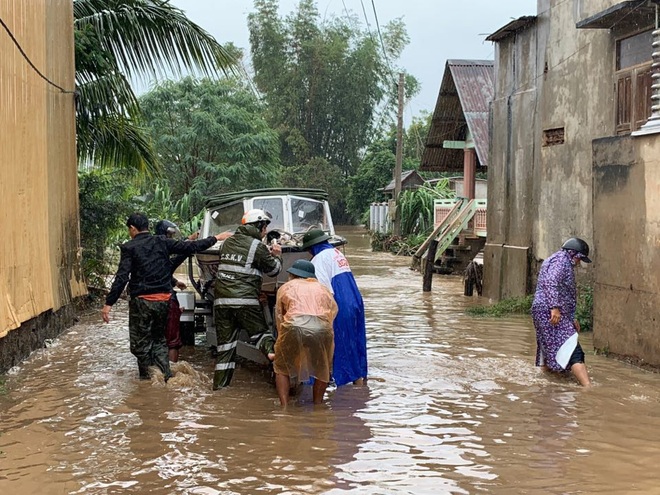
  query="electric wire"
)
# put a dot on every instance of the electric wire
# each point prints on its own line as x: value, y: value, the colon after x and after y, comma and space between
x: 27, y: 59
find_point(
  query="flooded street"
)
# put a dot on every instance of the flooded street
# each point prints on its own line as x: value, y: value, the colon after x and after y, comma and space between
x: 453, y: 405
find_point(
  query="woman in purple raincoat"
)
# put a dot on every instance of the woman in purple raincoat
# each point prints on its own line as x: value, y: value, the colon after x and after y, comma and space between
x: 553, y: 311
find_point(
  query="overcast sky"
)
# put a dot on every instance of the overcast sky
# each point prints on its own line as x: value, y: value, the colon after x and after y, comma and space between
x: 438, y: 29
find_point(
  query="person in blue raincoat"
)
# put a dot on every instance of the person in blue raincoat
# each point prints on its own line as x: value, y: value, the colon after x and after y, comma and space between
x: 332, y: 270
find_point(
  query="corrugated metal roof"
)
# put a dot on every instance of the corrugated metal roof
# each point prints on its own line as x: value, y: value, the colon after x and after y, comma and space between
x: 512, y: 28
x: 463, y: 103
x: 404, y: 177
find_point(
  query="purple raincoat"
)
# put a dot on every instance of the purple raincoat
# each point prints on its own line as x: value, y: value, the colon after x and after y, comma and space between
x: 555, y: 289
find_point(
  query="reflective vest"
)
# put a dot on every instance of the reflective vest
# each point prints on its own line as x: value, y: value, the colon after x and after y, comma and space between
x: 244, y: 260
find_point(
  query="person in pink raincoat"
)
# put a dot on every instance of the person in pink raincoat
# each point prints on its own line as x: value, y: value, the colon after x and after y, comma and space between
x: 553, y: 311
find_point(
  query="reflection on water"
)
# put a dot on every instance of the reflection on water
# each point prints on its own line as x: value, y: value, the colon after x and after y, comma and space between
x: 454, y: 405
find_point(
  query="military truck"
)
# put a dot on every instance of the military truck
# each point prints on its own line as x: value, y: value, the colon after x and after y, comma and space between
x: 293, y: 212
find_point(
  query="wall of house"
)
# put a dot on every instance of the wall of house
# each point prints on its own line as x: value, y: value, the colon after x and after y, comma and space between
x: 585, y: 111
x: 549, y: 76
x: 513, y: 148
x: 480, y: 188
x: 39, y: 255
x: 627, y: 246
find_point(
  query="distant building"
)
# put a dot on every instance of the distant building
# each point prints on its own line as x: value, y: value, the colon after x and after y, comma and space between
x: 459, y: 137
x: 410, y: 179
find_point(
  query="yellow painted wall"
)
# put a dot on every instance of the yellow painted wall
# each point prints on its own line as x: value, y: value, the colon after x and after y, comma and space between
x: 39, y: 221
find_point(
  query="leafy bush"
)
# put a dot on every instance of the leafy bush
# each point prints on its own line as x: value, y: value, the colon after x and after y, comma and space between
x: 522, y: 305
x: 416, y: 207
x: 584, y: 312
x: 104, y: 206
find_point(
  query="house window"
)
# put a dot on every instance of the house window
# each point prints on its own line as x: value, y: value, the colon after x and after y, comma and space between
x: 632, y: 81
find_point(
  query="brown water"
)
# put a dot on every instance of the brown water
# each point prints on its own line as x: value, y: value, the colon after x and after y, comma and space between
x: 454, y: 405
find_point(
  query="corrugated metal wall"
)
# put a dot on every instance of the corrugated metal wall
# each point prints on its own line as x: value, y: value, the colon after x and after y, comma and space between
x: 39, y: 251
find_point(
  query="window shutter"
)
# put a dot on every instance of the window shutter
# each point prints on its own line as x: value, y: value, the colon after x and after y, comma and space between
x: 642, y: 96
x: 623, y: 103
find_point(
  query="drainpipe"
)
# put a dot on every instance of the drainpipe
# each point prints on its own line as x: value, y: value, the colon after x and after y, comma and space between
x: 652, y: 125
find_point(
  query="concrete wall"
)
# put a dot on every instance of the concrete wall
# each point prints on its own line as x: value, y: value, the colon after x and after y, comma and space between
x: 550, y: 75
x: 510, y: 177
x: 627, y: 246
x: 39, y: 256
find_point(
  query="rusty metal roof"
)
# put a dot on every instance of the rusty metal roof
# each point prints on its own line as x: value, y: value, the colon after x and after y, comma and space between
x: 463, y: 103
x: 512, y: 28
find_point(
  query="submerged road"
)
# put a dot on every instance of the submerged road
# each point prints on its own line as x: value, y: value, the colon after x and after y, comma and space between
x: 453, y: 405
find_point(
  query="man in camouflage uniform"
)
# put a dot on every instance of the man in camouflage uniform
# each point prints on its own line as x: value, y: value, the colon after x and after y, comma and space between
x: 244, y: 259
x: 145, y: 266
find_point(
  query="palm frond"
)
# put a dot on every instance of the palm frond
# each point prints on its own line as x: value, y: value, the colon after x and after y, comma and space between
x: 152, y: 38
x: 106, y: 95
x: 117, y: 141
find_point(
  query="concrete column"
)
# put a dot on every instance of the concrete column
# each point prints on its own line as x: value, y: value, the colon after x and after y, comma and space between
x: 469, y: 172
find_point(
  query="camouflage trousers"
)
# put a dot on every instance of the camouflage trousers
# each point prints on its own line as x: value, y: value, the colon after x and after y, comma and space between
x: 229, y: 320
x: 147, y: 321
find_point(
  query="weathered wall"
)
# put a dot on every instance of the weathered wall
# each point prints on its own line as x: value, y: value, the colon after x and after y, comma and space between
x: 39, y: 265
x: 577, y: 96
x: 549, y: 76
x: 513, y: 147
x: 627, y: 246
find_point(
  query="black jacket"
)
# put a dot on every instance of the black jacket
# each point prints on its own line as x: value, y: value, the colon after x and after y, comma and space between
x: 145, y: 264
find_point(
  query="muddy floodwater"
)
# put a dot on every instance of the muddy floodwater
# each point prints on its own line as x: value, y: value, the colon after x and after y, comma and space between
x: 453, y: 405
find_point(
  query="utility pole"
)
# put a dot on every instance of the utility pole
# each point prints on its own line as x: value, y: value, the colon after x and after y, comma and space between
x: 399, y: 159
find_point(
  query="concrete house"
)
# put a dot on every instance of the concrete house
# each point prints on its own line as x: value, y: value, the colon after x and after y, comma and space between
x: 574, y: 151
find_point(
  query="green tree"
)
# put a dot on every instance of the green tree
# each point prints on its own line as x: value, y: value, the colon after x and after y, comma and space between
x: 321, y: 174
x: 211, y: 138
x: 105, y: 203
x: 324, y: 82
x: 414, y: 138
x: 374, y: 173
x: 119, y: 40
x: 377, y: 167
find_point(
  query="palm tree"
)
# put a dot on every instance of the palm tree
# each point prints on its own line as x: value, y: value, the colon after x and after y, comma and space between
x: 119, y: 40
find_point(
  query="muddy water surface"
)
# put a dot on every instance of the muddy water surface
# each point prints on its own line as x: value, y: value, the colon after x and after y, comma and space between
x: 454, y: 405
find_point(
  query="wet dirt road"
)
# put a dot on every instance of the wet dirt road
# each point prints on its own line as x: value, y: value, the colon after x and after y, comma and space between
x: 454, y: 405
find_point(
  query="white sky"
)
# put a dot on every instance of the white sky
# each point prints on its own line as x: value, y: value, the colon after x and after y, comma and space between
x: 438, y: 30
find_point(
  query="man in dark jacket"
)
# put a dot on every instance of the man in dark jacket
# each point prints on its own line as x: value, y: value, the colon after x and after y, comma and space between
x: 145, y: 266
x: 244, y: 259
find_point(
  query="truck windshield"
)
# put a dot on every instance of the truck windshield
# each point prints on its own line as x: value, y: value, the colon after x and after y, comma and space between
x: 308, y: 214
x: 226, y: 218
x: 275, y: 208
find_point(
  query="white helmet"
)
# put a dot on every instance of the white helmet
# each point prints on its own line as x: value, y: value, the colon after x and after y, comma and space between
x: 255, y: 216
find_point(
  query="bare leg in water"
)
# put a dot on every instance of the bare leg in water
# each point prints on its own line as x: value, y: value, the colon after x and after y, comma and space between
x: 282, y: 385
x: 318, y: 391
x: 579, y: 370
x: 173, y: 355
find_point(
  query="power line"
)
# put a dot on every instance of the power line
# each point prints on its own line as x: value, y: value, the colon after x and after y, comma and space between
x: 20, y: 49
x: 380, y: 36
